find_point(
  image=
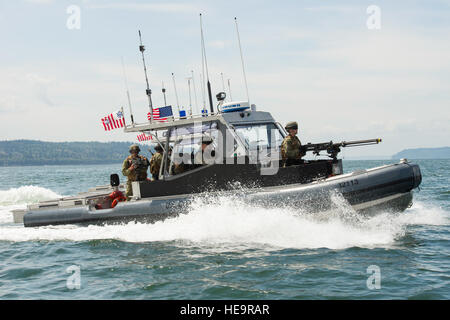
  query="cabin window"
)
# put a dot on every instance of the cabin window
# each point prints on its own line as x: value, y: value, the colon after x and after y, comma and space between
x: 262, y: 136
x: 187, y: 142
x: 200, y: 128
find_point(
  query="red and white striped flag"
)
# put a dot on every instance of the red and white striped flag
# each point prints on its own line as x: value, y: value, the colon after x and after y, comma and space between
x: 144, y: 137
x: 113, y: 121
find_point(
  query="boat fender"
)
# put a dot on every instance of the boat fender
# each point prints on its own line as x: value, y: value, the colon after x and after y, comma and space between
x: 116, y: 197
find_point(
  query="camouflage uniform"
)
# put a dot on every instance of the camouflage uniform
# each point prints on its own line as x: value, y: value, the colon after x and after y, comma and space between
x: 155, y: 164
x: 290, y: 148
x: 138, y: 174
x: 178, y: 168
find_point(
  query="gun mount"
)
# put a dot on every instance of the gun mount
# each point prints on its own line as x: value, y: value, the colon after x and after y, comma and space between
x: 334, y: 148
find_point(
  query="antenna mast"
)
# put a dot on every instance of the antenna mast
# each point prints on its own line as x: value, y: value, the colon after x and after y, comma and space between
x: 176, y: 94
x: 242, y: 59
x: 128, y: 91
x: 148, y: 91
x: 208, y: 84
x: 223, y: 83
x: 202, y: 81
x: 195, y: 90
x: 190, y: 97
x: 229, y: 90
x: 164, y: 94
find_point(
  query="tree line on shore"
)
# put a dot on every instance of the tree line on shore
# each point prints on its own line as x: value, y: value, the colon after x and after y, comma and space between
x: 34, y: 152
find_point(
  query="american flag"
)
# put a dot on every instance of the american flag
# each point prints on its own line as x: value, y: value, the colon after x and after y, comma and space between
x: 144, y: 137
x: 161, y: 114
x: 113, y: 121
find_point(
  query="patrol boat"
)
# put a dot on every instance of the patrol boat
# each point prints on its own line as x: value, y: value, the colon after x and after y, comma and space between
x: 242, y: 161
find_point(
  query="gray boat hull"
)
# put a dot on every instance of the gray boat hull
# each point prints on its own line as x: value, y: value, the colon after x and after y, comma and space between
x: 383, y: 188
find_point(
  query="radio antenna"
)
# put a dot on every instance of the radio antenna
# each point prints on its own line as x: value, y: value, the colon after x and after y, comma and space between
x: 128, y: 91
x: 147, y: 91
x: 208, y: 84
x: 176, y: 94
x: 202, y: 82
x: 164, y: 94
x: 229, y: 90
x: 242, y: 59
x: 195, y: 90
x: 223, y: 83
x: 190, y: 96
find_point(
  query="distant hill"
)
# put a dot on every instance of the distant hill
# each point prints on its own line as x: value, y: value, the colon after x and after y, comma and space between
x: 33, y: 152
x: 424, y: 153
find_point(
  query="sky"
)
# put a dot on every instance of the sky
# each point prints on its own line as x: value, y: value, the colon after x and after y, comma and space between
x: 341, y: 70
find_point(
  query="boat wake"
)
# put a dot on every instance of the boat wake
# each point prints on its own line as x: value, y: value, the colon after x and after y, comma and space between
x: 18, y: 198
x: 26, y: 195
x: 227, y: 222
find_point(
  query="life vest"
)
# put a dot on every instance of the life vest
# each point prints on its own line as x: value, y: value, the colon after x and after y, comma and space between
x: 116, y: 197
x: 141, y: 164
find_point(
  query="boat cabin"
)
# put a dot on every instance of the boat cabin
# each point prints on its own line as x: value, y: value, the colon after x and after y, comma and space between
x: 243, y: 151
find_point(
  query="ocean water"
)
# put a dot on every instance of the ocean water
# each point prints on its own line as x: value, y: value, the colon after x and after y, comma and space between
x: 226, y: 250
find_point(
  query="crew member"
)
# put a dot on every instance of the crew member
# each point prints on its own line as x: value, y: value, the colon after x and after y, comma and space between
x: 199, y: 157
x: 155, y: 162
x: 178, y: 166
x: 134, y: 167
x: 196, y: 160
x: 291, y: 153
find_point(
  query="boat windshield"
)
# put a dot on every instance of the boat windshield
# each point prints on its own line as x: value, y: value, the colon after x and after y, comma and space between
x: 187, y: 139
x: 192, y: 129
x: 261, y: 135
x: 187, y: 143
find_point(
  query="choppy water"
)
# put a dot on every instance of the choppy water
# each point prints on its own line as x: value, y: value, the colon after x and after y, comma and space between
x: 227, y: 250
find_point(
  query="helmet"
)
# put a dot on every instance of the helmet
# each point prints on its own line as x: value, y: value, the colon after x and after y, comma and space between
x: 291, y: 125
x: 206, y: 139
x: 135, y: 147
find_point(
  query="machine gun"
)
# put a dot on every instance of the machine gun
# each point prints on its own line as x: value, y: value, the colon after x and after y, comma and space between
x: 334, y: 148
x: 138, y: 163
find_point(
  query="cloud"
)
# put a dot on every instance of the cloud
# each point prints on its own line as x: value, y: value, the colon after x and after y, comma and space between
x: 40, y: 1
x: 153, y: 7
x: 40, y: 87
x: 326, y: 70
x: 331, y: 8
x: 8, y: 103
x: 218, y: 44
x: 390, y: 51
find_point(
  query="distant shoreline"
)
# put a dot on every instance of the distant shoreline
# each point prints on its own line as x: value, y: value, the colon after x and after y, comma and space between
x: 424, y: 153
x: 41, y: 153
x: 60, y: 164
x: 119, y: 163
